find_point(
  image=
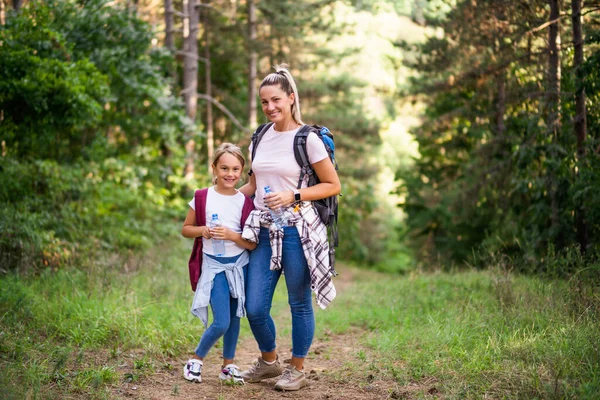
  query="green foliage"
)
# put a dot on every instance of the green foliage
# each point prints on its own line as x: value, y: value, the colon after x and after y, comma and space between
x: 48, y: 100
x: 53, y: 214
x: 76, y: 74
x: 90, y: 132
x: 492, y: 176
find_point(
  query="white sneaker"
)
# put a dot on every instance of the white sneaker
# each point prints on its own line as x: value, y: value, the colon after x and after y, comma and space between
x: 231, y: 374
x: 192, y: 371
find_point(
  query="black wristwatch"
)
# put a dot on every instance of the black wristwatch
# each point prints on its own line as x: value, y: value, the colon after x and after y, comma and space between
x: 297, y: 195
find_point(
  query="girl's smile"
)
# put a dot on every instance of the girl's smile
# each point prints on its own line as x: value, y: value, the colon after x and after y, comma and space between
x: 227, y: 172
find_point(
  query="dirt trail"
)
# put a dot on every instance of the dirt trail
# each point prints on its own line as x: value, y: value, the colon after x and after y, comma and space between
x: 333, y: 369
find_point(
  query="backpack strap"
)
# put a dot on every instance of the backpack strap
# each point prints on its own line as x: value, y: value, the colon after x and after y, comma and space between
x: 200, y: 203
x: 246, y: 210
x: 256, y: 138
x: 195, y: 262
x: 301, y: 154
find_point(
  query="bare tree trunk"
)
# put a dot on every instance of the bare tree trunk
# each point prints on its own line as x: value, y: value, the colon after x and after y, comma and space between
x: 190, y: 76
x: 210, y: 136
x: 554, y: 68
x: 169, y: 44
x: 169, y: 31
x: 17, y: 4
x: 2, y: 13
x: 580, y: 122
x: 553, y: 102
x: 190, y: 63
x: 580, y: 108
x: 252, y: 91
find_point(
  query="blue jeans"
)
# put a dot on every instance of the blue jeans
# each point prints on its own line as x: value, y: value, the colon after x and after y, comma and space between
x: 225, y: 322
x: 260, y: 286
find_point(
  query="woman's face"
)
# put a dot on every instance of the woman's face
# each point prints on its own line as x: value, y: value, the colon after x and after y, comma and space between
x: 276, y: 104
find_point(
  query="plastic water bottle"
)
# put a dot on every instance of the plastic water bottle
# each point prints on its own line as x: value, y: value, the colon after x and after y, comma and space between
x: 218, y: 245
x: 276, y: 214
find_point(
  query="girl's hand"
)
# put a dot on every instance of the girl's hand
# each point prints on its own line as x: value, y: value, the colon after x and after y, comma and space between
x: 222, y: 233
x: 206, y: 232
x: 275, y: 200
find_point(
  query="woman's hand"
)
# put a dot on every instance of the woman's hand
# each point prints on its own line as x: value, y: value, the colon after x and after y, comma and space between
x: 275, y: 200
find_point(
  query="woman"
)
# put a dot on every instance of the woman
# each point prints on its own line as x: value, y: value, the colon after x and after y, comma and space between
x: 274, y: 165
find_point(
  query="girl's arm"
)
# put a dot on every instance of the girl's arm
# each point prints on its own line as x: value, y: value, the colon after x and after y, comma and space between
x: 222, y: 232
x: 249, y: 188
x: 191, y: 230
x: 329, y: 185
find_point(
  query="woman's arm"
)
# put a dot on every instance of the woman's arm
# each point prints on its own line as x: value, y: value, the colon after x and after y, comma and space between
x: 191, y: 230
x: 249, y: 188
x: 329, y: 186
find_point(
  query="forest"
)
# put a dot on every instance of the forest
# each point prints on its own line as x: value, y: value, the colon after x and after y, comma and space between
x: 467, y: 137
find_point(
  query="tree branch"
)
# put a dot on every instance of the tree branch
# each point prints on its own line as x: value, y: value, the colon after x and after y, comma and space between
x: 188, y: 54
x: 225, y: 111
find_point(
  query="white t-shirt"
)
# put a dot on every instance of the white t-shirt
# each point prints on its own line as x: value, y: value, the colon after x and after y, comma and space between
x: 229, y: 209
x: 275, y: 165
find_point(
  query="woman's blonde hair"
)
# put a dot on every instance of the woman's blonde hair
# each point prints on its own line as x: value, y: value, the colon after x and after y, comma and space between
x: 227, y: 148
x: 283, y: 78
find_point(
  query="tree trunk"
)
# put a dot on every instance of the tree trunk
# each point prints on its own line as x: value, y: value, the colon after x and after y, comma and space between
x: 553, y: 96
x: 190, y: 76
x: 2, y: 13
x: 17, y: 4
x: 210, y: 136
x: 580, y: 114
x: 169, y: 31
x: 190, y: 59
x: 553, y: 105
x: 580, y: 108
x: 252, y: 60
x: 169, y: 44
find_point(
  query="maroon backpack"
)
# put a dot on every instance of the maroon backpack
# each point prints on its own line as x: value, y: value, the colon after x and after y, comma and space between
x: 195, y: 263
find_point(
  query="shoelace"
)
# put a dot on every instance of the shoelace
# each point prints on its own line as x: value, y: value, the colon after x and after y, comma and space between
x: 233, y: 372
x: 287, y: 374
x: 255, y: 367
x: 195, y: 367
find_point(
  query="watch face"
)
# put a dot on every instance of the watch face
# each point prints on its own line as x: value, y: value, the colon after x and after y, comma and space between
x: 297, y: 196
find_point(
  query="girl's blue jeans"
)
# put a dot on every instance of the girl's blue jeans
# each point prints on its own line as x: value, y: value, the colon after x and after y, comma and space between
x: 225, y: 322
x: 260, y: 287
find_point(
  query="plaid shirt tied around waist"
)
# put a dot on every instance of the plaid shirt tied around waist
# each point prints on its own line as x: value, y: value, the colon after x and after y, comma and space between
x: 313, y: 237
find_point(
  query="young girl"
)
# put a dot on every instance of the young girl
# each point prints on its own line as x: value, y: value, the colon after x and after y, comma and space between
x: 221, y: 282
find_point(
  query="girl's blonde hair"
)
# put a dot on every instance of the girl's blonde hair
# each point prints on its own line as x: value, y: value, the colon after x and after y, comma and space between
x: 228, y: 148
x: 283, y: 78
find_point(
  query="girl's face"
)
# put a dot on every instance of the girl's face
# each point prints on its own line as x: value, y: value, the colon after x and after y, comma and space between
x: 227, y: 171
x: 276, y: 104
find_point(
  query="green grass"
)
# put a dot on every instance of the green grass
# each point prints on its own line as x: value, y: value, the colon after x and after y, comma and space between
x: 65, y: 333
x: 475, y: 332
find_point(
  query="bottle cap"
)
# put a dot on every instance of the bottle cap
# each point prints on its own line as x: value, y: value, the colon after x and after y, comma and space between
x: 215, y: 216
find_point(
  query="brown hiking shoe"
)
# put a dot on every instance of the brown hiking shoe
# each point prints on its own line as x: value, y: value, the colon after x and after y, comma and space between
x: 291, y: 379
x: 261, y: 370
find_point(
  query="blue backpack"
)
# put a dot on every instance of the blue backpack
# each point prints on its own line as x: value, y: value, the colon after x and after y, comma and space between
x: 326, y: 208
